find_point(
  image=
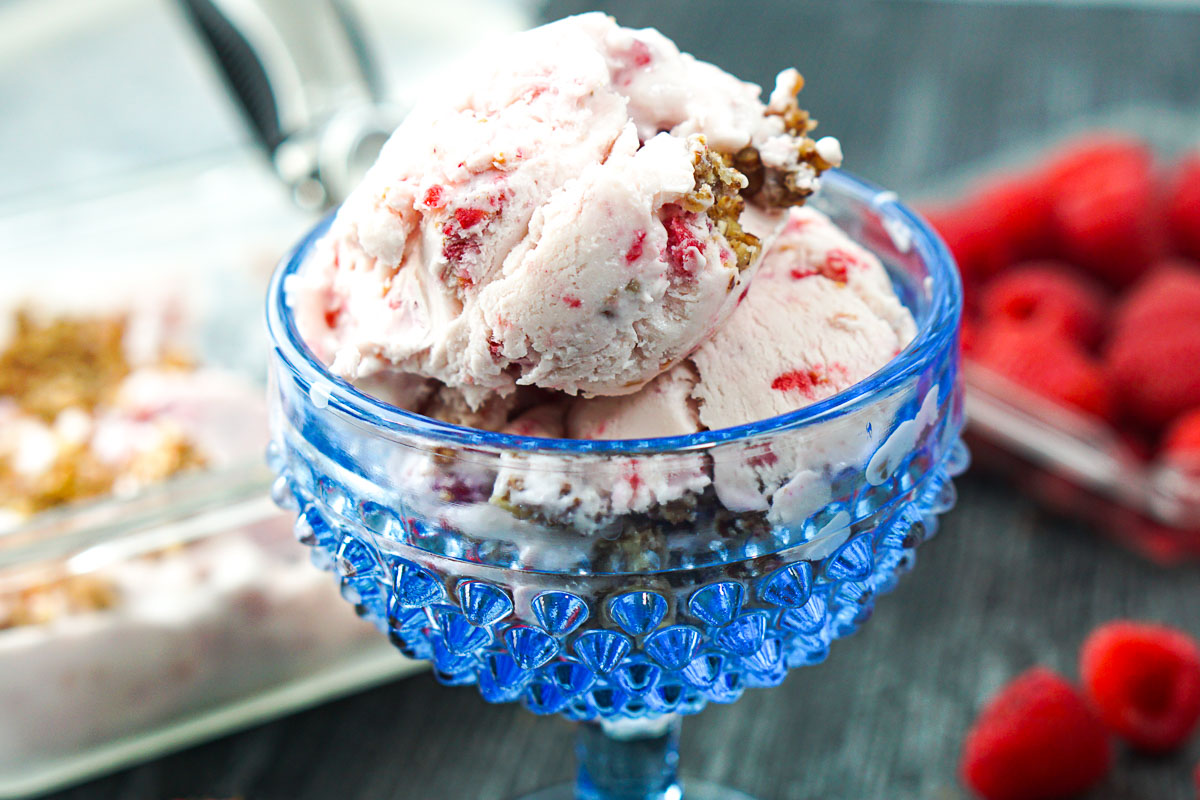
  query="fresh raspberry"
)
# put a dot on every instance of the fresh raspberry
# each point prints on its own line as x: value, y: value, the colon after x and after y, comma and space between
x: 1054, y: 367
x: 1036, y: 740
x: 976, y: 248
x: 1169, y: 293
x: 1181, y: 445
x: 1017, y: 209
x: 1183, y: 206
x: 1050, y: 296
x: 968, y: 336
x: 1155, y: 371
x: 1103, y: 208
x: 1144, y: 680
x: 1088, y: 151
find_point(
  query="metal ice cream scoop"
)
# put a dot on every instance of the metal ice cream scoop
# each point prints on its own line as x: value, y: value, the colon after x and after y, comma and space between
x: 302, y: 74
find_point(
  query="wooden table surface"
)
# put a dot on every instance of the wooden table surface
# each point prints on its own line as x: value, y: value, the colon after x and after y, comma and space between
x: 913, y: 89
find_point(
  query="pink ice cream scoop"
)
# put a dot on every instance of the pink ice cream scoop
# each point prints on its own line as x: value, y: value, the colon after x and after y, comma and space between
x: 579, y: 211
x: 820, y: 316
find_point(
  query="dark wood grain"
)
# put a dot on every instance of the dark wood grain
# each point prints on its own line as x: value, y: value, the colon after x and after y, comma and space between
x: 912, y: 89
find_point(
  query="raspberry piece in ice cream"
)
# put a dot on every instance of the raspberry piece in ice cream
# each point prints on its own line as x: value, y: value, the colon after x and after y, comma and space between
x: 1183, y: 206
x: 566, y: 216
x: 1036, y: 740
x: 1144, y: 680
x: 1054, y: 367
x: 1047, y: 295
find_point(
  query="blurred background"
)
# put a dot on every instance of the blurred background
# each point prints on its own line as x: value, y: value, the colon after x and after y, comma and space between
x: 157, y: 158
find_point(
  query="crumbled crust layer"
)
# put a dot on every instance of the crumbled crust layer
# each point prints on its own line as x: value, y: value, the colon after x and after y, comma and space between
x: 77, y: 365
x: 62, y: 363
x: 718, y: 192
x: 791, y: 185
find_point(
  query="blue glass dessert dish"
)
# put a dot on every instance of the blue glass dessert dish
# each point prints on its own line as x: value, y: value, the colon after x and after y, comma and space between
x: 636, y: 619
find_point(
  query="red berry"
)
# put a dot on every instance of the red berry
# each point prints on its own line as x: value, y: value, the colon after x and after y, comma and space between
x: 1103, y: 211
x: 1181, y: 445
x: 1144, y: 680
x: 968, y: 335
x: 977, y: 250
x: 1048, y: 295
x: 1036, y: 740
x: 1168, y: 294
x: 1183, y: 207
x: 1051, y: 366
x: 1155, y: 370
x: 1086, y: 152
x: 1017, y: 210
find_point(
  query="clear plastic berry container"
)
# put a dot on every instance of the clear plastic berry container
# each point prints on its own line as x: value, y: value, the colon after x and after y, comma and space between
x: 1071, y: 462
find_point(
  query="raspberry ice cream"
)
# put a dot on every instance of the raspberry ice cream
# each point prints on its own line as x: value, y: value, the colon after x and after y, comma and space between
x: 602, y: 240
x: 84, y: 413
x: 579, y: 212
x: 820, y: 316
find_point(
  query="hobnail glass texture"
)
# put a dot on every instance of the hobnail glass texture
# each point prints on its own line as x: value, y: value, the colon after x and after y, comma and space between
x: 640, y: 601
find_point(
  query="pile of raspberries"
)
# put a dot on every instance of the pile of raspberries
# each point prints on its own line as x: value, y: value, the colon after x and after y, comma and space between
x: 1041, y: 738
x: 1082, y: 283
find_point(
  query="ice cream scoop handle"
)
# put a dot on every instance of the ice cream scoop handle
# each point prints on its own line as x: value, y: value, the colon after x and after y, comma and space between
x: 292, y: 66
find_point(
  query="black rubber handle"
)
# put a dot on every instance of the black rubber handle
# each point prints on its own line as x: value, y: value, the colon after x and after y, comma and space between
x: 241, y: 70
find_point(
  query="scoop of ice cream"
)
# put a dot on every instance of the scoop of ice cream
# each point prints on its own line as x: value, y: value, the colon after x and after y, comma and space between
x: 663, y: 407
x: 566, y: 215
x: 820, y: 316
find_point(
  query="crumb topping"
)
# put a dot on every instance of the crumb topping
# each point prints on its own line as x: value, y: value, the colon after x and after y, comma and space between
x: 718, y: 192
x: 63, y: 363
x: 788, y: 178
x: 58, y: 378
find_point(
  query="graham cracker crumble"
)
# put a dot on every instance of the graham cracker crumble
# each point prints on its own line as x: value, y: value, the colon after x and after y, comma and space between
x: 51, y: 366
x: 74, y: 364
x: 718, y: 192
x: 781, y: 188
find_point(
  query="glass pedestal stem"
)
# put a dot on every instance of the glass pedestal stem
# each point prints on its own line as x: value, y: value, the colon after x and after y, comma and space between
x: 629, y: 760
